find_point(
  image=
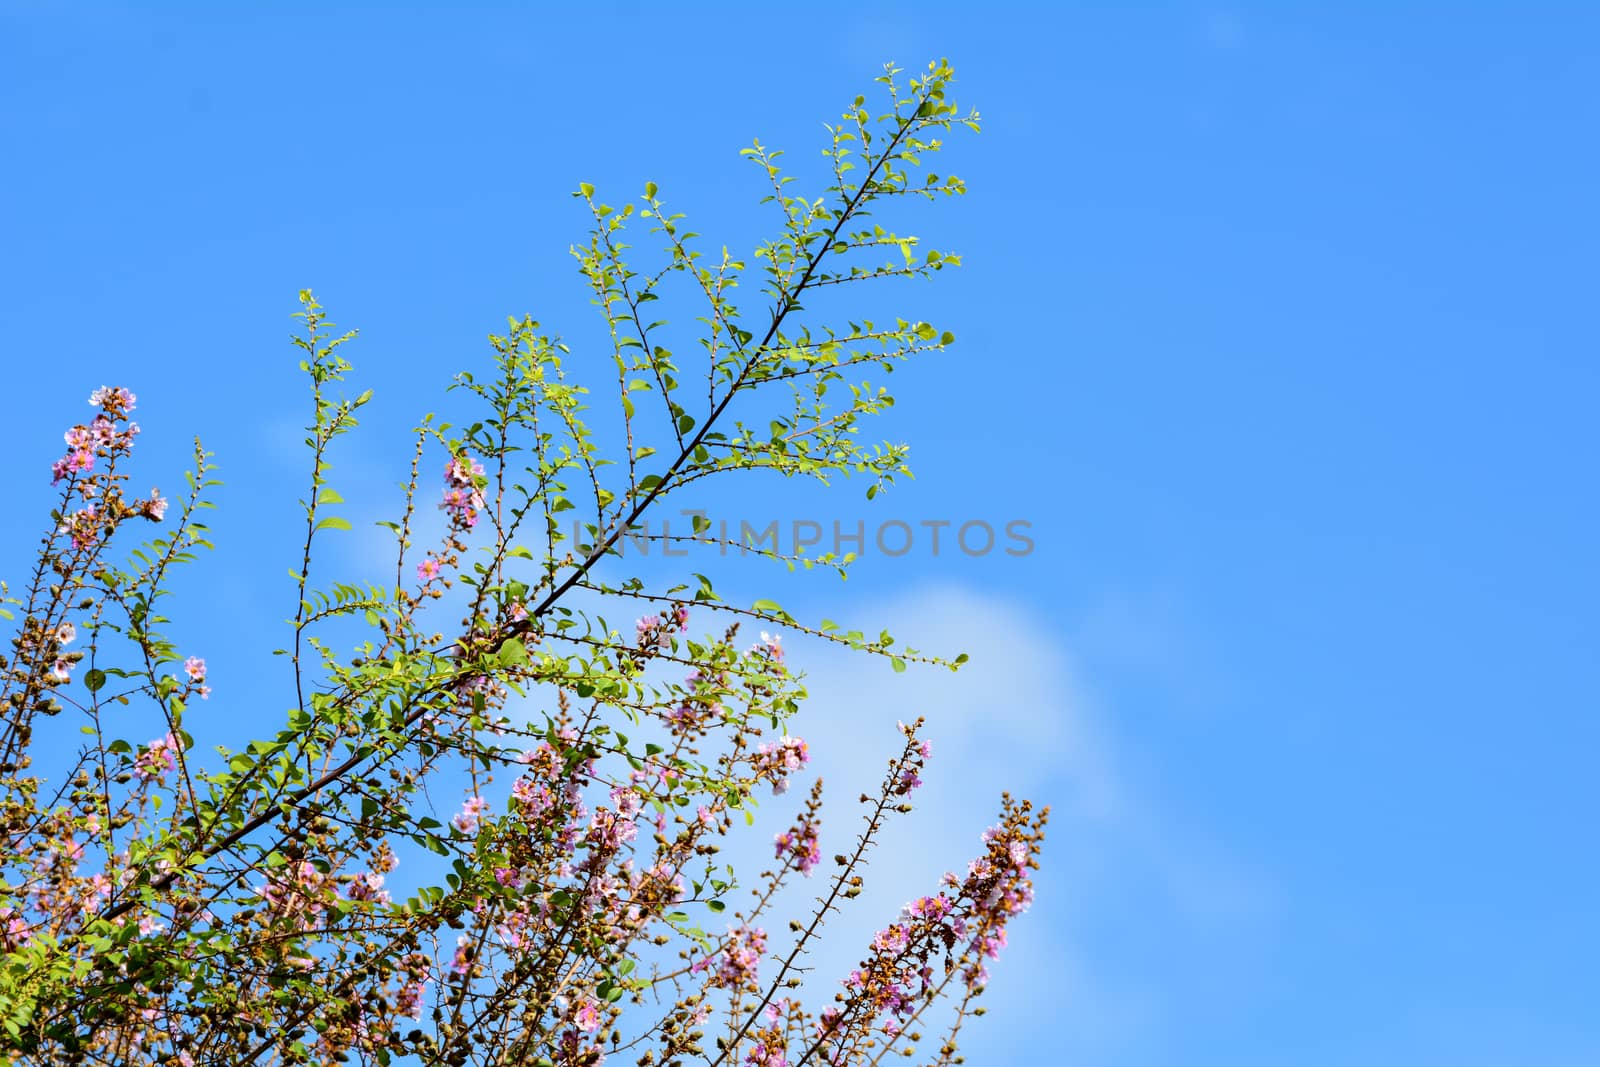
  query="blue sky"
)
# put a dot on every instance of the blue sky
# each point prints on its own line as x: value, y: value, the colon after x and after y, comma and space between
x: 1275, y: 325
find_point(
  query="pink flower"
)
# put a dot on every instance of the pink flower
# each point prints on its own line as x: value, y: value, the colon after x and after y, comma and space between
x: 195, y: 668
x: 428, y: 570
x: 16, y: 929
x: 587, y: 1017
x: 157, y: 758
x: 737, y: 962
x: 467, y: 819
x: 114, y: 399
x: 463, y: 471
x: 776, y: 760
x: 155, y: 509
x: 368, y: 885
x: 890, y: 942
x: 800, y: 843
x: 462, y: 962
x: 83, y: 526
x: 463, y: 498
x: 767, y: 1055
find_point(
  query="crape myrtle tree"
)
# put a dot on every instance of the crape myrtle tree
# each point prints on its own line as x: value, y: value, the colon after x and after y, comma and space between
x: 164, y: 902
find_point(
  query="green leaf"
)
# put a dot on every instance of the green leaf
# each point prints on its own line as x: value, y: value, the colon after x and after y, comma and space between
x: 94, y: 681
x: 513, y: 653
x: 329, y: 496
x: 333, y: 522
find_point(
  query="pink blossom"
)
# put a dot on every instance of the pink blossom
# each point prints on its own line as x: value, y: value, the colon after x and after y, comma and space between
x: 651, y: 632
x: 777, y: 759
x: 114, y: 399
x: 155, y: 509
x: 801, y: 844
x: 767, y: 1055
x: 368, y: 885
x: 463, y: 498
x: 157, y: 758
x: 428, y: 570
x: 461, y: 963
x: 737, y: 962
x: 83, y: 526
x: 467, y: 820
x: 463, y: 506
x: 587, y: 1017
x: 16, y: 930
x: 463, y: 471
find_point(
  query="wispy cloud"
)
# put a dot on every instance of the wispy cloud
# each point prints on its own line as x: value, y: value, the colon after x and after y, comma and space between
x: 1019, y: 716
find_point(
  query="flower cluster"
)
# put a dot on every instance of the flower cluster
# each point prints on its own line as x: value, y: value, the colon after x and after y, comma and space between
x: 100, y: 437
x: 800, y: 842
x: 155, y: 508
x: 82, y: 526
x: 770, y: 648
x: 965, y: 923
x: 368, y: 886
x: 298, y: 893
x: 158, y: 757
x: 775, y: 761
x: 769, y: 1049
x: 910, y: 776
x: 735, y: 965
x: 194, y: 668
x: 417, y: 971
x: 700, y: 701
x: 463, y: 494
x: 14, y: 930
x: 466, y: 820
x: 655, y: 631
x: 62, y: 636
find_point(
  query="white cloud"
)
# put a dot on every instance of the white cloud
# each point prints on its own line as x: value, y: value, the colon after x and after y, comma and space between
x: 1017, y: 717
x: 1014, y: 718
